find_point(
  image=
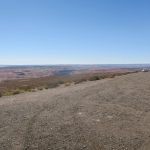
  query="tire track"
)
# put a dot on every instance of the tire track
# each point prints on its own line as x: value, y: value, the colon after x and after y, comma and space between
x: 28, y: 135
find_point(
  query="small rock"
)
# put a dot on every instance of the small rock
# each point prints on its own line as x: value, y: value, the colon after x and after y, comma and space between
x: 109, y: 117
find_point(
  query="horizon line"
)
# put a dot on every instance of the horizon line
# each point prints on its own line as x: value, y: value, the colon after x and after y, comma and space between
x: 74, y: 64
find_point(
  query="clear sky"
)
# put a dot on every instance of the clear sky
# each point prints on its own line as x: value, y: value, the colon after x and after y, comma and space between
x: 74, y: 31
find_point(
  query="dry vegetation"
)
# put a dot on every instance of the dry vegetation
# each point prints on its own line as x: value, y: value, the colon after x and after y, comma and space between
x: 13, y: 87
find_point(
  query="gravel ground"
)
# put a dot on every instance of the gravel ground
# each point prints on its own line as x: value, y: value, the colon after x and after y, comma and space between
x: 110, y: 114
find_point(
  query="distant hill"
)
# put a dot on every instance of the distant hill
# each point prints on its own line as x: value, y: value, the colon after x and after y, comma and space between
x: 9, y: 72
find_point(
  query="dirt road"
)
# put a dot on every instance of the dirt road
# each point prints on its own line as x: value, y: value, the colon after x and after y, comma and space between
x: 110, y: 114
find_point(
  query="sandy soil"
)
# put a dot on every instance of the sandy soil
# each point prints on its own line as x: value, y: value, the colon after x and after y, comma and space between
x: 111, y: 114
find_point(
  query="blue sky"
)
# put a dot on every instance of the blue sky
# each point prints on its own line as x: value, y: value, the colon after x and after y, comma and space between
x: 74, y: 31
